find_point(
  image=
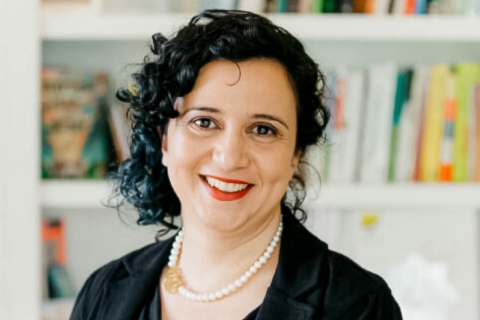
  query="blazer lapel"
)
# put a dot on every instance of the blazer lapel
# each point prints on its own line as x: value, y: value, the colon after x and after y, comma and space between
x: 296, y: 291
x: 277, y: 305
x: 125, y: 295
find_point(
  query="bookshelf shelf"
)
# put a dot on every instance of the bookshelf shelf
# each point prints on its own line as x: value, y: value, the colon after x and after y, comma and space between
x: 68, y: 26
x: 89, y: 195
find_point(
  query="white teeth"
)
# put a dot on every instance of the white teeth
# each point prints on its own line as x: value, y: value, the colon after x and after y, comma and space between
x: 227, y: 187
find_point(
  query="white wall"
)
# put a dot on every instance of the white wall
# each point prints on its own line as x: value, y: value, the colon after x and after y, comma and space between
x: 445, y: 236
x: 19, y: 217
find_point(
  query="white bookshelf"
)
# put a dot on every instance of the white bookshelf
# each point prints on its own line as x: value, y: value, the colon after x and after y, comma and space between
x: 68, y: 26
x: 64, y: 35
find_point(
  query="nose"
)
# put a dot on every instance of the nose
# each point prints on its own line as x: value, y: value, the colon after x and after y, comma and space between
x: 231, y: 151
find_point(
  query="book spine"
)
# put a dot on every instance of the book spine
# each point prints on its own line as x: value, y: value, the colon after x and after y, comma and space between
x: 282, y: 5
x: 400, y: 95
x: 317, y: 6
x: 468, y: 74
x: 421, y: 6
x: 257, y: 6
x: 409, y: 7
x: 476, y: 101
x: 430, y: 160
x: 305, y: 6
x: 446, y: 163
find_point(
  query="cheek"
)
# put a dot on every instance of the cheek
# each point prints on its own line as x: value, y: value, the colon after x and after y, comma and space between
x: 184, y: 154
x: 277, y: 167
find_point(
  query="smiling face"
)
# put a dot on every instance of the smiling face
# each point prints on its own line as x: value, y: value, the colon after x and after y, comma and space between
x: 231, y: 151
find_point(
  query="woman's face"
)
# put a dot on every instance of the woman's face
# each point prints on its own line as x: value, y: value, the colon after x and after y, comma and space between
x: 231, y: 152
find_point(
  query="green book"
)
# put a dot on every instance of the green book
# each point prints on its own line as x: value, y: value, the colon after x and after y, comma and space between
x: 401, y: 96
x: 468, y: 74
x: 317, y: 6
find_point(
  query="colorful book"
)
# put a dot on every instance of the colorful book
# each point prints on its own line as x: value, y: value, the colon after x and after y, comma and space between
x: 330, y: 6
x: 446, y: 160
x: 468, y: 75
x: 401, y: 96
x: 420, y: 6
x: 430, y: 156
x: 409, y: 127
x: 282, y: 6
x: 76, y: 139
x: 409, y: 7
x: 476, y: 101
x: 317, y: 6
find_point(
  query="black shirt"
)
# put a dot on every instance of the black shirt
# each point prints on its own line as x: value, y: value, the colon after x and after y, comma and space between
x: 311, y: 282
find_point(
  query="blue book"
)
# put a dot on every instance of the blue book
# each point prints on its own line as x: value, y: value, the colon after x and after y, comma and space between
x: 282, y: 5
x: 218, y: 4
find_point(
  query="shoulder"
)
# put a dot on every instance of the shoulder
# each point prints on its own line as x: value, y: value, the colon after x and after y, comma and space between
x: 89, y: 299
x: 356, y: 293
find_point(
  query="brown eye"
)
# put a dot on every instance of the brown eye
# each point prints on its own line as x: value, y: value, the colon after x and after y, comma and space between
x: 204, y: 123
x: 264, y: 130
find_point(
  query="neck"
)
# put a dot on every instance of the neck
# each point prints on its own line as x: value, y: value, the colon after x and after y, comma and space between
x: 210, y: 259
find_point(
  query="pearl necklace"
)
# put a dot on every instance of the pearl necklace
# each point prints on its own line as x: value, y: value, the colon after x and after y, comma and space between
x: 174, y: 281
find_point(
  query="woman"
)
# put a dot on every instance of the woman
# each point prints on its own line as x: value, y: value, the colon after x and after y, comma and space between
x: 222, y: 118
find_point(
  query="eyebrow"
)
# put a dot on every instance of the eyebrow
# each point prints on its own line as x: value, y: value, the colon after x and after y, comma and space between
x: 255, y: 116
x: 269, y: 117
x: 208, y: 109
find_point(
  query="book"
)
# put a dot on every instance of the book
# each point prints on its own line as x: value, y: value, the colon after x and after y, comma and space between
x: 218, y: 4
x: 121, y: 131
x: 409, y: 141
x: 468, y: 75
x: 57, y: 282
x: 430, y: 154
x: 378, y: 123
x: 347, y: 126
x: 305, y: 6
x: 317, y: 6
x: 292, y: 5
x: 281, y: 6
x: 446, y: 160
x: 257, y: 6
x: 270, y: 6
x: 76, y: 139
x: 401, y: 96
x: 476, y: 104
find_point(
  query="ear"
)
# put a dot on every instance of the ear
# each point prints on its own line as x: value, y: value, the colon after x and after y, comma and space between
x: 164, y: 147
x: 295, y: 160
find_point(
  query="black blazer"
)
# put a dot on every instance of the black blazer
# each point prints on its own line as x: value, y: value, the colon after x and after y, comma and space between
x: 310, y: 282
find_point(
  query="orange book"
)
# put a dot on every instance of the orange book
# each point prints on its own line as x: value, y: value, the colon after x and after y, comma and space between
x: 410, y: 7
x: 53, y: 230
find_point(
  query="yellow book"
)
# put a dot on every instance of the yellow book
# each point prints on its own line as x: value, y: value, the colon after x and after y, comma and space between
x: 432, y: 138
x: 468, y: 74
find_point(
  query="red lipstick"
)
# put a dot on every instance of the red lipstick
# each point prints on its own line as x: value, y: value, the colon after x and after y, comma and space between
x: 226, y: 196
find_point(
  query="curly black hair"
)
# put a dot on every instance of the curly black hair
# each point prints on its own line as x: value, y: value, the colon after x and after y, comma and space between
x: 211, y: 35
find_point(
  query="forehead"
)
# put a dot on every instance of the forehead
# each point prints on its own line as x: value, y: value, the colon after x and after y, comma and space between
x: 253, y: 85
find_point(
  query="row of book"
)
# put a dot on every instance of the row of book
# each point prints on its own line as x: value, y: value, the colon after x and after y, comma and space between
x: 391, y: 124
x: 377, y: 7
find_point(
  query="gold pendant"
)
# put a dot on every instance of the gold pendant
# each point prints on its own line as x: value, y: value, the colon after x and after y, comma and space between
x: 173, y: 280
